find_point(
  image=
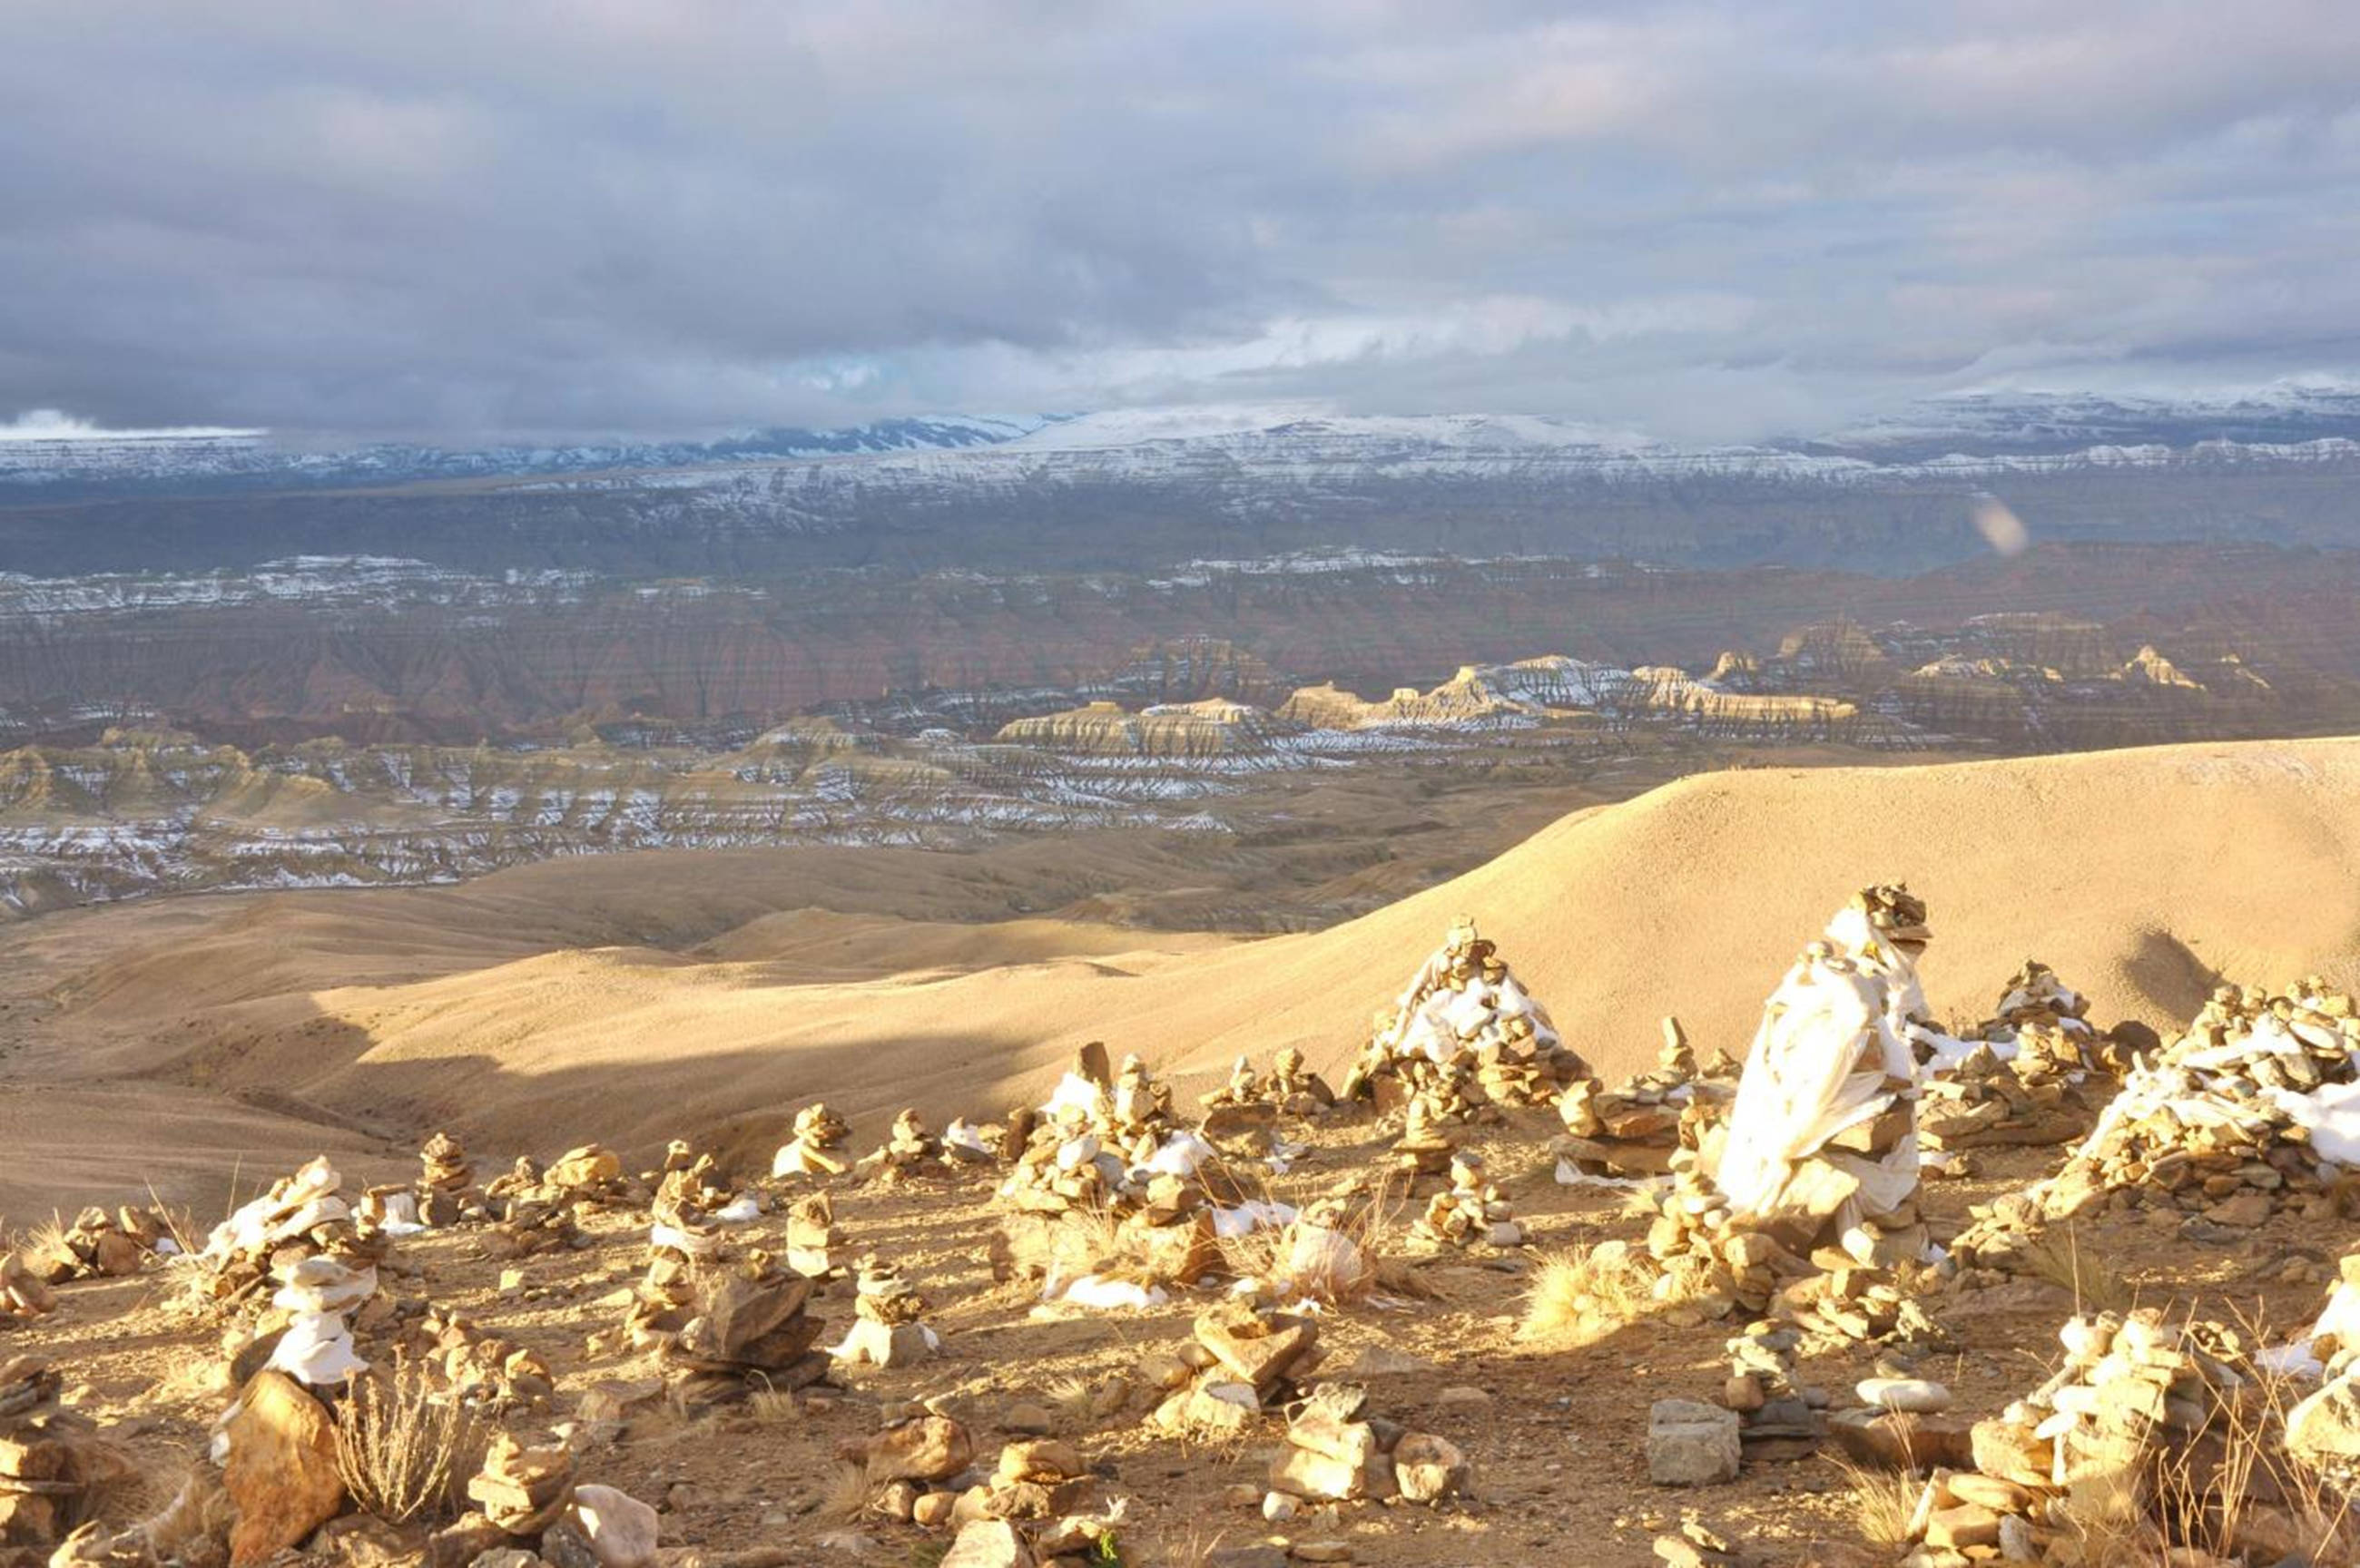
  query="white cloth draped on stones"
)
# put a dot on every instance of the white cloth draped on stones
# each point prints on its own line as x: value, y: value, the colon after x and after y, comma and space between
x: 1829, y: 1055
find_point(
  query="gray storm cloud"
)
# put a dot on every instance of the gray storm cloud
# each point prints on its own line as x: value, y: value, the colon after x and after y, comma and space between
x: 446, y: 219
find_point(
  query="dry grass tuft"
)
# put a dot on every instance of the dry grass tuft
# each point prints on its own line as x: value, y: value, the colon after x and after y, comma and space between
x: 773, y: 1407
x: 404, y: 1448
x: 1580, y: 1296
x: 1337, y: 1265
x: 847, y: 1494
x: 2097, y: 1286
x: 1884, y: 1502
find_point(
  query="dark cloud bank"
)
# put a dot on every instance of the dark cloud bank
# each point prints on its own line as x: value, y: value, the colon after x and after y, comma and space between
x: 456, y: 218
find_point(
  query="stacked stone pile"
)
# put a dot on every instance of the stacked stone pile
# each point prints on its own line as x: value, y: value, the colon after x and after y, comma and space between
x: 589, y: 1177
x: 887, y: 1330
x: 2253, y: 1110
x: 446, y: 1188
x: 1466, y: 1016
x: 811, y: 1236
x: 302, y: 1217
x: 1634, y: 1130
x: 311, y: 1313
x: 533, y: 1509
x: 52, y: 1462
x: 100, y: 1244
x: 911, y: 1152
x: 1774, y: 1412
x: 2144, y: 1420
x: 1106, y: 1181
x: 749, y: 1331
x: 1471, y: 1209
x: 817, y: 1147
x: 483, y: 1369
x: 1290, y: 1087
x: 1239, y: 1361
x: 1335, y: 1450
x: 1983, y: 1102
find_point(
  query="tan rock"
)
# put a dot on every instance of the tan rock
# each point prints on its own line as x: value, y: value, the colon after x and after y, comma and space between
x: 281, y: 1471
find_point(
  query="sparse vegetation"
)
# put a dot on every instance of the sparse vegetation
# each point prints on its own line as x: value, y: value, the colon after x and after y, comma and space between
x: 1580, y: 1296
x: 1884, y: 1502
x: 404, y: 1446
x: 2095, y: 1284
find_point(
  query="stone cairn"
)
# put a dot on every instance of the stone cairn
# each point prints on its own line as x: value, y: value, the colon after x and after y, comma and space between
x: 1336, y: 1451
x: 2028, y: 1076
x: 749, y: 1331
x: 260, y: 1245
x: 1471, y: 1209
x: 2144, y: 1421
x: 1239, y: 1362
x: 886, y: 1330
x: 530, y: 1503
x: 1106, y: 1181
x: 101, y: 1245
x: 2227, y: 1125
x: 811, y: 1236
x: 481, y: 1368
x: 816, y: 1149
x: 52, y: 1461
x: 911, y: 1152
x: 1485, y: 1039
x: 1038, y: 1504
x: 312, y: 1313
x: 446, y: 1183
x: 1633, y: 1130
x: 540, y: 1211
x: 1774, y: 1412
x: 1290, y: 1088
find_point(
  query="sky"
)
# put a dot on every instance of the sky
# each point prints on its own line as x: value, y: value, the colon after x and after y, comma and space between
x: 453, y: 220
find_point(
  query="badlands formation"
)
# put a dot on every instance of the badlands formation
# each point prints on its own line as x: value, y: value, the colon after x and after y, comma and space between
x: 1726, y: 1187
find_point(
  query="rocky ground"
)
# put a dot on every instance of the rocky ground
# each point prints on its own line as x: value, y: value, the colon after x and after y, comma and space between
x: 1557, y: 1436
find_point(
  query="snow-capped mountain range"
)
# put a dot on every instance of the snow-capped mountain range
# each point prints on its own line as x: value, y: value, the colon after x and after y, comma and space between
x: 1958, y: 438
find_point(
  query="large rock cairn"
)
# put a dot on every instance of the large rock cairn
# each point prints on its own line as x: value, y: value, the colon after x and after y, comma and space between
x: 1108, y: 1182
x: 2145, y: 1421
x: 1820, y: 1148
x: 2247, y: 1113
x: 301, y: 1216
x: 1467, y: 1016
x: 52, y: 1461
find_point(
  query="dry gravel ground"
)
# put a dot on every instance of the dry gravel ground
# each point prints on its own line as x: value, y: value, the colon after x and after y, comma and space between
x: 1557, y: 1436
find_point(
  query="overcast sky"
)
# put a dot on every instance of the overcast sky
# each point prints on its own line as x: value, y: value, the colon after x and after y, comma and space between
x: 467, y: 220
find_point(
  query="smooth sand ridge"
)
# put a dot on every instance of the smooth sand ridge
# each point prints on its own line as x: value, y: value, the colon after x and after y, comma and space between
x: 2140, y: 874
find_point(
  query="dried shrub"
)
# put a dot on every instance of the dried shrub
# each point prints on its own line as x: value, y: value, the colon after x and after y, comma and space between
x: 404, y: 1446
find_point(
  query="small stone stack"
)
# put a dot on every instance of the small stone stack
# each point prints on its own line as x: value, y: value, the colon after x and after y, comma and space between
x: 481, y: 1367
x: 52, y: 1460
x: 750, y: 1331
x: 1984, y: 1103
x: 532, y: 1226
x: 1471, y: 1209
x: 816, y: 1149
x: 690, y: 1178
x: 1240, y: 1362
x: 1245, y: 1087
x: 312, y: 1310
x: 1634, y: 1130
x: 1847, y: 1304
x: 2218, y: 1127
x: 909, y: 1465
x: 2136, y: 1415
x: 1335, y: 1452
x: 909, y: 1152
x: 100, y: 1245
x: 446, y: 1183
x: 1076, y: 1208
x: 1298, y: 1090
x: 886, y: 1330
x: 521, y: 1490
x: 1775, y: 1419
x: 1425, y: 1148
x: 663, y: 1301
x: 811, y: 1236
x: 531, y: 1498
